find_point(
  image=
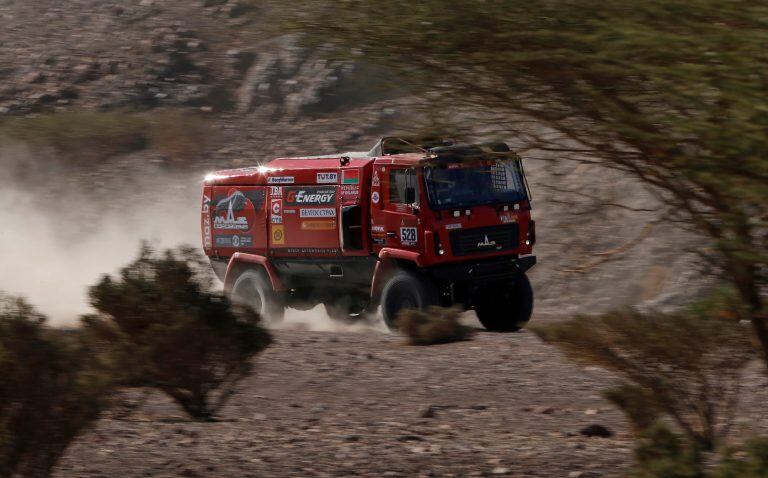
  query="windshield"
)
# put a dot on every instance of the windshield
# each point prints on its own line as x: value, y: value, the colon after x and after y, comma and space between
x: 479, y: 182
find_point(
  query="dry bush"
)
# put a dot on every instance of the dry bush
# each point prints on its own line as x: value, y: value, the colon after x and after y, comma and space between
x: 51, y: 388
x: 436, y: 325
x: 683, y: 366
x: 162, y: 323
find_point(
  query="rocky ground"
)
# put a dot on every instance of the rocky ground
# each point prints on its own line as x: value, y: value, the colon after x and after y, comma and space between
x: 365, y: 404
x: 320, y: 403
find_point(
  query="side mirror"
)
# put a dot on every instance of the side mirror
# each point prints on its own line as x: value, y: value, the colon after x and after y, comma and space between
x: 410, y: 195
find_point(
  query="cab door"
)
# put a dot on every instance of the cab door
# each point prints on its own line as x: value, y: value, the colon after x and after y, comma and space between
x: 394, y: 207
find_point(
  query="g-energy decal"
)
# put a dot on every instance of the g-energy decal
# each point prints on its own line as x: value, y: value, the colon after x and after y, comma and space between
x: 310, y: 196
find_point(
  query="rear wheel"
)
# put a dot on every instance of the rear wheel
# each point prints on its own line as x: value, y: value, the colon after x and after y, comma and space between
x: 507, y: 309
x: 252, y: 288
x: 406, y: 290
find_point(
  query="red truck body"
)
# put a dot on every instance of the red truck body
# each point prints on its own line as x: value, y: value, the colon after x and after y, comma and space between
x: 337, y: 229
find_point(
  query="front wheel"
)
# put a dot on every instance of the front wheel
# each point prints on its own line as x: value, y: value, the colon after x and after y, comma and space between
x: 253, y: 289
x: 508, y: 309
x: 406, y: 290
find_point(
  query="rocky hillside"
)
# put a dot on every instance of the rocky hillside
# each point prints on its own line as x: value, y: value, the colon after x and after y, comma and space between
x: 603, y: 241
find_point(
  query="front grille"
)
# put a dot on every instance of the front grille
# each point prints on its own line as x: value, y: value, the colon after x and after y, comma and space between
x: 484, y: 239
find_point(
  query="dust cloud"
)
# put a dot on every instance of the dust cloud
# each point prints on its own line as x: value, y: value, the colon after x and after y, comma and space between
x: 51, y: 256
x: 62, y: 229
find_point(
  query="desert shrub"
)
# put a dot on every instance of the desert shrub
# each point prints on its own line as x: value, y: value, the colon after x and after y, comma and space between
x: 436, y: 325
x: 684, y: 366
x: 51, y: 389
x: 169, y: 331
x: 662, y: 453
x: 747, y: 461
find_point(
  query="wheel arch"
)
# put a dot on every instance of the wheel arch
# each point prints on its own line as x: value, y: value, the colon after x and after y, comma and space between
x: 390, y: 261
x: 242, y: 261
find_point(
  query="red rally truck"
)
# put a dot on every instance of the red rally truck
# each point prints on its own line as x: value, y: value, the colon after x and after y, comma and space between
x: 402, y: 226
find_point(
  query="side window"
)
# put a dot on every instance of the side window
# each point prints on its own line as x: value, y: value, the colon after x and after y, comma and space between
x: 399, y: 181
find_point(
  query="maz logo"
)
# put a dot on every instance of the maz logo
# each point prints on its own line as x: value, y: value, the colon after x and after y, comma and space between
x: 486, y: 242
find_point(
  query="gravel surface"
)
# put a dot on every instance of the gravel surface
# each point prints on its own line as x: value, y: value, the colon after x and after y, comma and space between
x: 352, y: 404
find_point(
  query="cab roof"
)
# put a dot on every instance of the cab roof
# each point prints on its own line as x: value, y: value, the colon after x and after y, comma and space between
x: 299, y: 170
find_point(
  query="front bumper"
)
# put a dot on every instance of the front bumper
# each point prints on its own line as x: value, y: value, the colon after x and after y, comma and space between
x: 489, y: 270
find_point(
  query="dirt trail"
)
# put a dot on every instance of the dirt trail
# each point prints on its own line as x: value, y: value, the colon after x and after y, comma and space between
x: 352, y: 404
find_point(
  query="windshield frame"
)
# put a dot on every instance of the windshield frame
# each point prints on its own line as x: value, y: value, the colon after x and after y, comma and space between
x: 432, y: 194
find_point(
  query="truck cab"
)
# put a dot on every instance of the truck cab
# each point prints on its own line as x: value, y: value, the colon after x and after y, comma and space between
x: 405, y: 225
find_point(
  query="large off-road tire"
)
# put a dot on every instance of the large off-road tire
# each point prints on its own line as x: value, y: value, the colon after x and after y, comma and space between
x: 406, y: 290
x: 254, y: 289
x: 507, y: 309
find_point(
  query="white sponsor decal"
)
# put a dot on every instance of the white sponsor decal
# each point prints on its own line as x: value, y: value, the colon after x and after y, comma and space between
x: 276, y: 191
x: 280, y: 180
x: 318, y: 212
x: 376, y: 182
x: 377, y: 228
x: 375, y: 197
x: 327, y: 178
x: 276, y: 219
x: 230, y: 222
x: 486, y: 242
x: 277, y: 207
x: 206, y: 210
x: 408, y: 236
x: 453, y: 226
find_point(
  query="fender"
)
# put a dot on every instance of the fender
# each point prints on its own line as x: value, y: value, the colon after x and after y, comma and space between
x: 386, y: 263
x: 240, y: 258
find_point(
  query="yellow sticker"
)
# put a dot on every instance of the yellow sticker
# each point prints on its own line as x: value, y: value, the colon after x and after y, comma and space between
x: 318, y: 225
x: 278, y: 234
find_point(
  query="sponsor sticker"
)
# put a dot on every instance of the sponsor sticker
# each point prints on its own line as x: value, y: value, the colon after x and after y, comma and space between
x: 276, y: 191
x: 280, y: 180
x: 318, y: 225
x: 327, y: 178
x: 350, y: 176
x: 276, y: 219
x: 206, y: 212
x: 376, y: 228
x: 408, y: 236
x: 453, y: 226
x: 278, y: 234
x: 276, y: 205
x: 310, y: 196
x: 310, y: 250
x: 506, y: 218
x: 234, y: 212
x: 233, y: 240
x: 375, y: 197
x: 317, y: 212
x: 375, y: 182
